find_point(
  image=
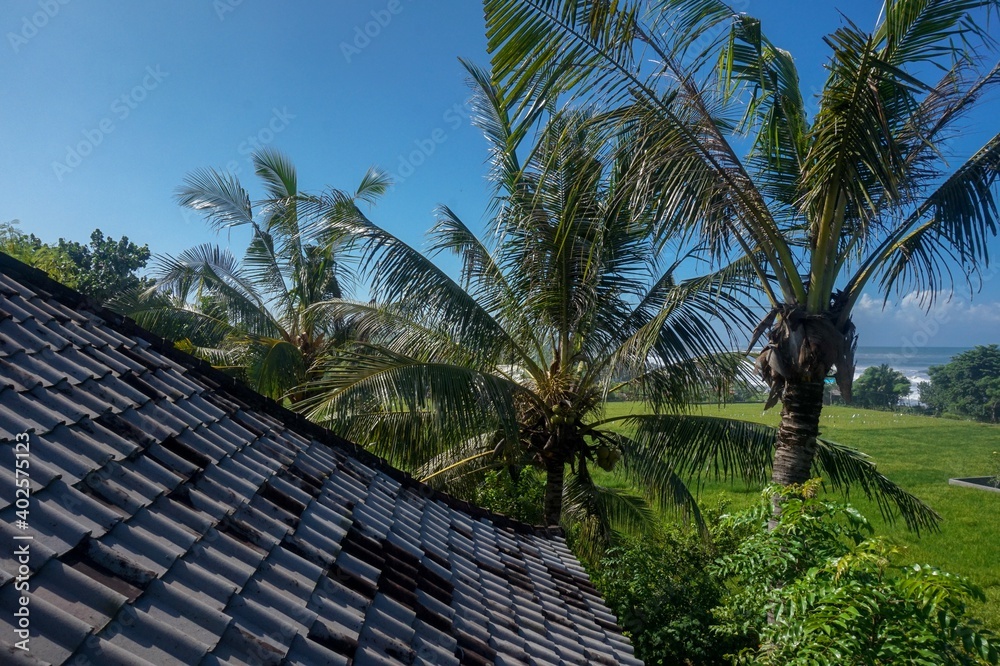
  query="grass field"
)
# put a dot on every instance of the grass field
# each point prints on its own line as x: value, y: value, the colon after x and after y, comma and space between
x: 920, y: 454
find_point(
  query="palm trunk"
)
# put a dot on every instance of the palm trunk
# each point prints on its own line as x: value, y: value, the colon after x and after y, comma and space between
x: 802, y: 403
x: 555, y: 469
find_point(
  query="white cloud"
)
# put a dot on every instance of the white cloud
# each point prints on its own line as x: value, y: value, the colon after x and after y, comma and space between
x: 950, y: 322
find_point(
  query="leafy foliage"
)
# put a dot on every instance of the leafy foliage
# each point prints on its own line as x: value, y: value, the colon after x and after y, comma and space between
x: 663, y: 592
x: 101, y: 269
x: 106, y: 267
x: 570, y: 299
x: 968, y: 385
x: 513, y: 492
x: 816, y: 588
x: 880, y: 387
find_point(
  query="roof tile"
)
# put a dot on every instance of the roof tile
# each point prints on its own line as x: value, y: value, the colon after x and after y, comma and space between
x: 179, y: 518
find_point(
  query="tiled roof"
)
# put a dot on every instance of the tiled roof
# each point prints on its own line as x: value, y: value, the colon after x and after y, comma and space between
x: 178, y: 518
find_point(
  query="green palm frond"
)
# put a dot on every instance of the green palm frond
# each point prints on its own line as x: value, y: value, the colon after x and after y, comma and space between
x: 696, y: 446
x: 613, y: 510
x: 218, y: 196
x: 845, y: 468
x: 400, y: 274
x: 952, y: 227
x: 655, y: 476
x: 430, y: 405
x: 277, y: 171
x: 374, y: 184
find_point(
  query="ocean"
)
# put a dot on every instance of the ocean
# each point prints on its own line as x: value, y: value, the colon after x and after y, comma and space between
x: 909, y: 360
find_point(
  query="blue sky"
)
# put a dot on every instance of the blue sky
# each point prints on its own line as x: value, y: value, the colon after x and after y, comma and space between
x: 106, y: 108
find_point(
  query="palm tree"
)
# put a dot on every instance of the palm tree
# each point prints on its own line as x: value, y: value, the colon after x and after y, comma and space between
x: 565, y: 304
x: 857, y: 195
x: 254, y: 316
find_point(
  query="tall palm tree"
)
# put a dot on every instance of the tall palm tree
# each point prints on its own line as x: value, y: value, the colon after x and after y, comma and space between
x: 858, y: 194
x: 255, y: 315
x: 565, y: 304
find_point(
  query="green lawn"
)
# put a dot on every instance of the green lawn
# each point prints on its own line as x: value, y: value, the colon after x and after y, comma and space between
x: 920, y: 454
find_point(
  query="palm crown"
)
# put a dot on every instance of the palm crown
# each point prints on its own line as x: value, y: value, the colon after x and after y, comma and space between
x: 254, y: 316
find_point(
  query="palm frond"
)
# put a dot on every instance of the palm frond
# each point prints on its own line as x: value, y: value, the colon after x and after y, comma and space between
x: 847, y: 468
x: 218, y: 196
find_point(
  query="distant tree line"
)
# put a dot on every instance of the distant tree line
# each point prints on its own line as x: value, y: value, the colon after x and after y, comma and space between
x: 101, y: 269
x: 967, y: 386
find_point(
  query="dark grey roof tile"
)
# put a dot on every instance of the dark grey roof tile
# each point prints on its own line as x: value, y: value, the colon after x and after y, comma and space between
x: 29, y: 336
x: 241, y: 646
x: 336, y: 603
x: 188, y: 577
x: 49, y: 523
x: 204, y: 436
x: 177, y: 465
x: 54, y: 647
x: 426, y: 633
x: 95, y: 517
x: 147, y: 421
x: 291, y: 490
x: 23, y: 372
x: 19, y: 412
x: 311, y: 652
x: 169, y: 605
x: 200, y: 503
x: 375, y: 656
x: 22, y: 309
x: 174, y: 539
x: 143, y: 548
x: 274, y: 603
x: 319, y: 547
x: 213, y: 554
x: 181, y: 515
x: 183, y: 413
x: 264, y: 621
x: 295, y: 576
x: 238, y: 479
x: 352, y: 565
x: 379, y: 637
x: 263, y: 522
x: 168, y: 424
x: 57, y: 459
x: 113, y: 358
x: 149, y: 384
x: 76, y: 594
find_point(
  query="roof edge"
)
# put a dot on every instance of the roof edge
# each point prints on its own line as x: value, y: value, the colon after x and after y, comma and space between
x: 40, y: 281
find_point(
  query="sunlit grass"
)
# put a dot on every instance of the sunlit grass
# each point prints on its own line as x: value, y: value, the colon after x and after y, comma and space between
x: 920, y: 454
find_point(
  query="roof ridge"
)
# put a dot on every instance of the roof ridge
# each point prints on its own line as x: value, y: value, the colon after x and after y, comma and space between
x: 39, y: 280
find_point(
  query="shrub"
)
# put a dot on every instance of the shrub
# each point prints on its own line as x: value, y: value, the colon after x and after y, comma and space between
x: 818, y: 589
x: 663, y: 594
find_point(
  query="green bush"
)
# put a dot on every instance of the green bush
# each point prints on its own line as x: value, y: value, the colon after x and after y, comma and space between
x: 517, y: 494
x: 816, y: 588
x: 663, y: 594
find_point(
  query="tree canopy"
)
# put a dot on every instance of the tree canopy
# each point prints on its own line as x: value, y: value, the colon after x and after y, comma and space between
x: 968, y: 385
x: 880, y: 387
x: 101, y: 269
